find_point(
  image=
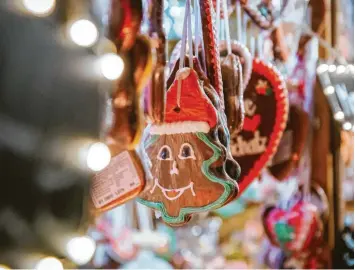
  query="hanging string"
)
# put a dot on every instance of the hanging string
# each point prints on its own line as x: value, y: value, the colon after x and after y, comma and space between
x: 187, y: 18
x: 189, y: 28
x: 259, y: 46
x: 252, y: 45
x: 218, y: 19
x: 226, y: 24
x: 198, y: 34
x: 197, y: 27
x: 239, y: 21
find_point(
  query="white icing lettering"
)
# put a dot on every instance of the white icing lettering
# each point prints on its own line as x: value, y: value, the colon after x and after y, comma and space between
x: 254, y: 146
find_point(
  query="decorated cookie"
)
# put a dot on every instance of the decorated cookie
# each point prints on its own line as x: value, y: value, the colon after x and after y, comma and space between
x: 123, y: 179
x: 266, y: 110
x: 186, y: 160
x: 221, y: 135
x: 292, y: 144
x: 240, y: 50
x: 294, y: 229
x: 233, y: 92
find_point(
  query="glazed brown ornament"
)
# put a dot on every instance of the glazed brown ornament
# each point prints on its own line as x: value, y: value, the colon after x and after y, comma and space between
x: 184, y: 155
x: 266, y: 111
x: 128, y: 120
x: 233, y: 92
x: 221, y: 136
x: 154, y: 98
x: 244, y: 57
x: 123, y: 179
x: 292, y: 144
x: 124, y: 23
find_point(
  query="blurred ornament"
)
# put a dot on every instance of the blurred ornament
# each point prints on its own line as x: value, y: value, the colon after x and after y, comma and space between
x: 294, y: 228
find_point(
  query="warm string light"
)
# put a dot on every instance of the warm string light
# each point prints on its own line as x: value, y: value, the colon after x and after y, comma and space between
x: 83, y: 32
x: 39, y: 7
x: 351, y: 68
x: 341, y: 69
x: 347, y: 126
x: 81, y: 249
x: 51, y: 263
x: 339, y: 116
x: 329, y: 90
x: 4, y: 267
x: 332, y: 68
x: 322, y: 68
x: 98, y: 157
x: 111, y: 66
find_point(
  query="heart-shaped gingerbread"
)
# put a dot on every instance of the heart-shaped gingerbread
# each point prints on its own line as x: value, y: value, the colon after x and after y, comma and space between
x: 266, y: 111
x: 294, y: 229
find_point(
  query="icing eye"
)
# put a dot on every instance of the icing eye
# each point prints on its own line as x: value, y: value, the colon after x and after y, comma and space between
x: 165, y: 153
x: 186, y: 151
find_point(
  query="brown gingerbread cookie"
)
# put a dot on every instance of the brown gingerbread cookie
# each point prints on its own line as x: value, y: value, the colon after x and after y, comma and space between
x: 185, y: 157
x: 266, y: 111
x: 291, y: 145
x: 233, y: 92
x: 220, y: 135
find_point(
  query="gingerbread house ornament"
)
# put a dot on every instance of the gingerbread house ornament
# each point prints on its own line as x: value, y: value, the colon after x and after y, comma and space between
x: 186, y: 159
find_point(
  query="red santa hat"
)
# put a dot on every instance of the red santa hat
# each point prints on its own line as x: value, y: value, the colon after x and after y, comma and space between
x: 195, y: 113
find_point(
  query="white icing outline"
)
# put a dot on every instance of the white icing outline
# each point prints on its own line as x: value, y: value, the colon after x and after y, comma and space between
x: 179, y: 190
x: 174, y: 170
x: 192, y: 156
x: 169, y: 150
x: 180, y: 127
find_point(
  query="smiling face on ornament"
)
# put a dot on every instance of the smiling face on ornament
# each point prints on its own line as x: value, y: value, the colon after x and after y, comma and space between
x: 179, y: 178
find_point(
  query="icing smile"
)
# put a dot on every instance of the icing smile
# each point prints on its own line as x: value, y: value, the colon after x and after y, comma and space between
x: 173, y: 194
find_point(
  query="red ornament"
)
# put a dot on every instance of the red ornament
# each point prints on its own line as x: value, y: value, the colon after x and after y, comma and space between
x: 266, y: 116
x: 194, y: 105
x: 293, y: 229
